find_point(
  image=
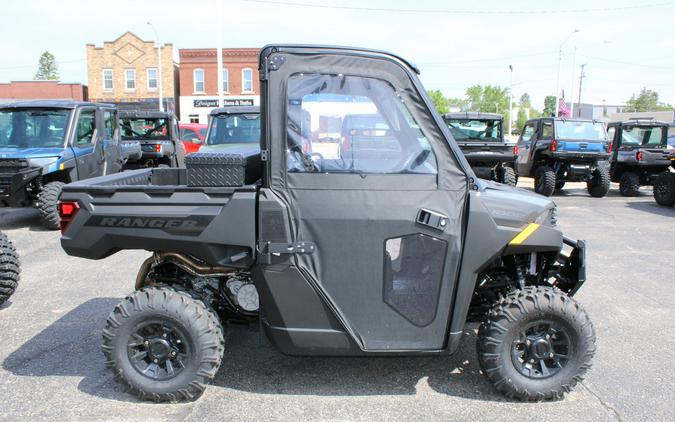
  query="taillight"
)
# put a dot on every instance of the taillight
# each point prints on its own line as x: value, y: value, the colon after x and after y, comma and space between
x: 67, y: 212
x: 515, y: 150
x: 554, y: 146
x: 305, y: 148
x: 158, y: 147
x: 638, y: 155
x: 609, y: 147
x: 345, y: 142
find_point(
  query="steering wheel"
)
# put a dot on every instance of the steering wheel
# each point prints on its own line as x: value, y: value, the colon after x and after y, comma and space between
x: 319, y: 162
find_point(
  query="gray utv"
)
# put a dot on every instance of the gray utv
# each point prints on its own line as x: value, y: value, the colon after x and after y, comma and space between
x: 638, y: 153
x: 156, y: 132
x: 480, y: 136
x: 388, y: 250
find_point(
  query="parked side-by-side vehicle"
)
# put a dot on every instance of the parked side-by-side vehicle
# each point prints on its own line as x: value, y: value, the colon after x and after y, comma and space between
x: 333, y: 255
x: 638, y: 153
x: 481, y: 138
x: 157, y: 134
x: 558, y: 150
x: 232, y: 128
x: 47, y: 144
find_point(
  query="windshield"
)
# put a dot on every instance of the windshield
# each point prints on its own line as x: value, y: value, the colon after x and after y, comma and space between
x: 144, y: 128
x: 234, y: 129
x: 483, y: 129
x: 33, y: 128
x: 644, y: 136
x: 580, y: 131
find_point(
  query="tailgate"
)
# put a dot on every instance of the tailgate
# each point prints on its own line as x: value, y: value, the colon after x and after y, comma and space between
x: 216, y: 225
x: 582, y: 146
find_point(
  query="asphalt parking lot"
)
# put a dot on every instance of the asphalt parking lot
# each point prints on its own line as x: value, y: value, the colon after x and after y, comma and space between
x: 51, y: 366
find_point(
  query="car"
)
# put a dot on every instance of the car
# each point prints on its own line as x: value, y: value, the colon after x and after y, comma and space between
x: 157, y: 134
x: 10, y: 268
x: 192, y: 135
x: 638, y: 153
x: 481, y: 138
x: 331, y: 259
x: 559, y: 150
x: 231, y: 128
x: 46, y: 144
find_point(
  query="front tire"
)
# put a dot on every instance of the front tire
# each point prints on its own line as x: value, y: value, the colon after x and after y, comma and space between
x: 9, y: 268
x: 629, y: 184
x: 536, y: 344
x: 544, y: 181
x: 163, y: 344
x: 598, y: 185
x: 507, y: 176
x: 47, y: 202
x: 664, y: 189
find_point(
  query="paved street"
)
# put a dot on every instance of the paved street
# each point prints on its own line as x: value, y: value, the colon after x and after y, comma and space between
x: 51, y: 366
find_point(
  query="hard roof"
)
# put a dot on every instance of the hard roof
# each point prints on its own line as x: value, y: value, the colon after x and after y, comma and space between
x: 131, y: 114
x: 236, y: 110
x: 67, y: 104
x: 472, y: 115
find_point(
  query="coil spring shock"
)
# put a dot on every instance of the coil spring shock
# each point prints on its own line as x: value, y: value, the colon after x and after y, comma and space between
x: 520, y: 263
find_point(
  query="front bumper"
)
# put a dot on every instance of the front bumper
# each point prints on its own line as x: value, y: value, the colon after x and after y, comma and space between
x: 571, y: 273
x: 13, y: 192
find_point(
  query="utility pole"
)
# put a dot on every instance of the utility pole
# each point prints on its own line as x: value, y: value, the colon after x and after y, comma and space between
x: 557, y: 82
x: 159, y: 67
x: 574, y: 65
x: 582, y: 75
x: 510, y: 99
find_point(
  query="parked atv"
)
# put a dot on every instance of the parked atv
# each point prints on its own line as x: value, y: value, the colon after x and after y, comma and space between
x: 231, y: 128
x: 557, y: 150
x: 664, y: 185
x: 481, y: 138
x: 638, y: 153
x: 47, y: 144
x: 378, y: 255
x: 9, y: 268
x: 157, y: 133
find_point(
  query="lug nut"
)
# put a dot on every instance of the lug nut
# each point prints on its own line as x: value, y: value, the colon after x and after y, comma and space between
x: 551, y: 355
x: 178, y: 341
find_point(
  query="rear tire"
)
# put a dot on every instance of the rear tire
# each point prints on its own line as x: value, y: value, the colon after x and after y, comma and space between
x: 664, y: 189
x: 9, y: 268
x: 163, y: 344
x: 544, y: 181
x: 507, y: 176
x: 629, y: 184
x: 536, y: 344
x: 599, y: 184
x: 47, y: 202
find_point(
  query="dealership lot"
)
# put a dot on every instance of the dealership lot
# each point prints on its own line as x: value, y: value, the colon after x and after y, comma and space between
x: 51, y: 365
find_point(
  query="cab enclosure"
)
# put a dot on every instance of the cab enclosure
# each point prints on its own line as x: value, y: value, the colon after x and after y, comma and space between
x: 157, y: 134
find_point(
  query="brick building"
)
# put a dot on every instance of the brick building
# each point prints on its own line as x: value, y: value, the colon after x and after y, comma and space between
x: 125, y: 72
x: 199, y: 80
x: 28, y: 90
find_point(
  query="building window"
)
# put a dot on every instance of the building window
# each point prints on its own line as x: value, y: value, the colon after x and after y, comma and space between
x: 226, y: 82
x: 107, y: 80
x: 130, y: 79
x: 152, y: 78
x: 194, y: 118
x: 199, y: 80
x: 247, y: 81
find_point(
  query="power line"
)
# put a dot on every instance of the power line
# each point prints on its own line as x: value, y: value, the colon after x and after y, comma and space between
x: 650, y: 66
x: 465, y: 11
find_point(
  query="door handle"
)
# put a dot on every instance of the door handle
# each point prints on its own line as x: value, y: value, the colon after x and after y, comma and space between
x: 432, y: 219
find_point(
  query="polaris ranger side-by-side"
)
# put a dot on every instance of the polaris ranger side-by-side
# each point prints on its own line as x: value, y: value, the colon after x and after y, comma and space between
x: 375, y: 255
x: 638, y: 153
x: 480, y: 136
x: 158, y: 136
x: 49, y: 143
x: 556, y: 150
x: 231, y: 128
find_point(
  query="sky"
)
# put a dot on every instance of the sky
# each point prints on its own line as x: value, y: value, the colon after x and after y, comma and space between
x: 625, y: 44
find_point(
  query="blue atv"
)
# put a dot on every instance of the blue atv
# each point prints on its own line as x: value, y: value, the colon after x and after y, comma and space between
x: 49, y: 143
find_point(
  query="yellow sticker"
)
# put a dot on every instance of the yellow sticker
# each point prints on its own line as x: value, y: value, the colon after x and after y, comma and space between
x: 523, y: 235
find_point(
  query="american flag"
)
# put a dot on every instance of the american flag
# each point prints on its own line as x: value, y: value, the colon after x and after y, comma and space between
x: 563, y: 110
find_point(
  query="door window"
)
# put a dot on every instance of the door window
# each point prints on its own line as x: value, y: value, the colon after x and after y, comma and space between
x: 86, y: 125
x: 528, y: 132
x: 110, y: 122
x: 371, y: 130
x: 188, y: 135
x: 546, y: 130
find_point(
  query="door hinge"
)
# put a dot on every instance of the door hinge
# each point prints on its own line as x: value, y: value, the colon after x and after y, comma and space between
x: 263, y: 155
x: 277, y: 249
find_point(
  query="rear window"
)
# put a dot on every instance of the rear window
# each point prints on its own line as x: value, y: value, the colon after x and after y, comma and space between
x: 141, y: 128
x: 235, y: 129
x: 645, y: 136
x: 479, y: 129
x: 580, y: 131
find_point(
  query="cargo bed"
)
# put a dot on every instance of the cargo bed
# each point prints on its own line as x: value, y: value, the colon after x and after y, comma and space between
x: 153, y: 209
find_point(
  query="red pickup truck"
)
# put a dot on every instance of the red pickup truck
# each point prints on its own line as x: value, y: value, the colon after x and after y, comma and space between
x: 192, y: 135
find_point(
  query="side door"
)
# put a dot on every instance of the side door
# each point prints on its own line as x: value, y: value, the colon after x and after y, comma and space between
x: 190, y: 140
x: 110, y: 142
x: 87, y: 149
x: 525, y: 148
x: 383, y: 225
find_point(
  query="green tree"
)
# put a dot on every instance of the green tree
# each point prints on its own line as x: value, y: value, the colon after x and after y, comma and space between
x: 520, y: 119
x: 439, y: 100
x: 647, y: 100
x: 488, y: 99
x: 47, y: 69
x: 457, y: 102
x: 525, y: 100
x: 549, y: 106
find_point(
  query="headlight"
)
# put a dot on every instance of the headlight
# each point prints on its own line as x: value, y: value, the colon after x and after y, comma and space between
x: 548, y: 217
x: 42, y: 162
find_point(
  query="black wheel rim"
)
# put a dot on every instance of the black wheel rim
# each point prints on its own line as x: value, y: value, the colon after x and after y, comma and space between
x: 541, y: 349
x: 159, y: 349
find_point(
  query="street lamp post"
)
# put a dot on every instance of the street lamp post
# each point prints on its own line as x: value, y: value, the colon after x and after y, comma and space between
x: 219, y: 51
x: 557, y: 82
x: 510, y: 98
x: 159, y: 67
